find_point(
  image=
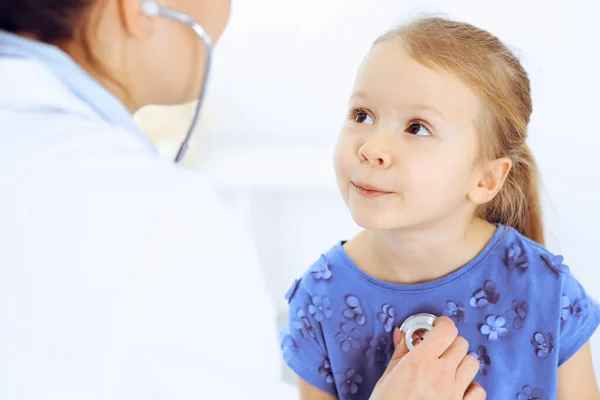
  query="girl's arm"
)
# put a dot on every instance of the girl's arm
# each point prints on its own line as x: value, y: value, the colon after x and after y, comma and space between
x: 576, y: 378
x: 309, y: 392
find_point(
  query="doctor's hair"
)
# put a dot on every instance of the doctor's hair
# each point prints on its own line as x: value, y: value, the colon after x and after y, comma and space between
x: 50, y: 21
x: 55, y: 22
x: 487, y: 66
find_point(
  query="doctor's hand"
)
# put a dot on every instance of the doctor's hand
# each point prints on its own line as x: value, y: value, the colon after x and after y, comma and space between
x: 437, y: 368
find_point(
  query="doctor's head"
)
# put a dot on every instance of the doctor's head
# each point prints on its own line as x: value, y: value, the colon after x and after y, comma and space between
x: 142, y: 59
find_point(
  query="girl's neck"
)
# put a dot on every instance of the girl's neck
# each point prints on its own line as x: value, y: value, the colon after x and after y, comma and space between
x: 417, y: 256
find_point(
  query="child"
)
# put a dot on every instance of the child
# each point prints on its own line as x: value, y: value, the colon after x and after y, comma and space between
x: 432, y: 163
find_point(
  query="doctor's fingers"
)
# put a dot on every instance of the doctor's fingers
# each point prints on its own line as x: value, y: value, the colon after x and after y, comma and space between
x: 465, y: 373
x: 475, y: 392
x: 457, y: 351
x: 400, y: 350
x: 438, y: 340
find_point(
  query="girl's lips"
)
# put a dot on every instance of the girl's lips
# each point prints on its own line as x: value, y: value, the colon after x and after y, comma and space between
x: 368, y: 190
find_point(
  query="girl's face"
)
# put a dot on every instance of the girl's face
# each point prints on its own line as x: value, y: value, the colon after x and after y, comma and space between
x: 407, y: 155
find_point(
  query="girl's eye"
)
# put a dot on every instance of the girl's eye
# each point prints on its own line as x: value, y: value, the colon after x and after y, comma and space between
x: 362, y: 117
x: 418, y: 129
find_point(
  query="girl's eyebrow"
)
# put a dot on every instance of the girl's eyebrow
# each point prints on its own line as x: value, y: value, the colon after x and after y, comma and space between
x: 428, y: 107
x: 361, y: 94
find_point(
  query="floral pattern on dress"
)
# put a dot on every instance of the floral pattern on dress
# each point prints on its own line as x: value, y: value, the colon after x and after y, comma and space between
x: 494, y: 327
x: 387, y: 317
x: 347, y: 339
x: 351, y: 382
x: 544, y: 345
x: 455, y: 311
x: 516, y: 258
x: 485, y: 296
x: 518, y: 313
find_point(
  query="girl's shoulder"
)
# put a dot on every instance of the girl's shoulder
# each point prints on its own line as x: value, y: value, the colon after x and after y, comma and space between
x: 522, y: 254
x: 326, y: 275
x: 545, y: 288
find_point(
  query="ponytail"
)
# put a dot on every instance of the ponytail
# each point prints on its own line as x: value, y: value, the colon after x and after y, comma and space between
x: 518, y: 202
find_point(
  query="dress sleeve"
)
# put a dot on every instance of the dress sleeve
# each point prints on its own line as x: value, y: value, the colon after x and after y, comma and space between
x: 302, y: 341
x: 580, y: 317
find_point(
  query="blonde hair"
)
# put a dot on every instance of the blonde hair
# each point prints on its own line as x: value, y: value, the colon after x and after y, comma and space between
x: 488, y: 67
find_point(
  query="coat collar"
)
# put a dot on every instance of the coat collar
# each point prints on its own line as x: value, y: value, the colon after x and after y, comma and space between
x: 42, y: 76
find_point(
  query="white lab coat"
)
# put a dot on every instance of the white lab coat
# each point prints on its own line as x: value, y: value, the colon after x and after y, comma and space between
x: 121, y: 276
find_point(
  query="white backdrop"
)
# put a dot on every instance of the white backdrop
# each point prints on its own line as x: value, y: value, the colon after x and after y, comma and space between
x: 279, y: 89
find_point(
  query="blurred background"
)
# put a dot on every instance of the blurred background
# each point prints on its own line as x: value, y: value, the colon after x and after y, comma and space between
x: 277, y: 97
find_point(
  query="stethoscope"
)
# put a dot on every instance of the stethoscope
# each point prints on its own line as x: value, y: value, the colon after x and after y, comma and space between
x: 153, y: 9
x: 416, y: 328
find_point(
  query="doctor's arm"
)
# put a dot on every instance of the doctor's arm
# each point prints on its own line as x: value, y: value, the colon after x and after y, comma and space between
x: 205, y: 324
x: 576, y: 378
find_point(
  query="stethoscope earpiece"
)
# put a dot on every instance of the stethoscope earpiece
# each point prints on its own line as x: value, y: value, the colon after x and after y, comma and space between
x: 416, y: 328
x: 150, y: 8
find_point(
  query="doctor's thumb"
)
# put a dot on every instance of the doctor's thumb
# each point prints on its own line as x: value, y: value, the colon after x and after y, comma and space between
x: 400, y: 350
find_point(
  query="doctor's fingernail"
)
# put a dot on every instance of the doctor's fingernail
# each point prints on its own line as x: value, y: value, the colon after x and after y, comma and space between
x: 397, y: 336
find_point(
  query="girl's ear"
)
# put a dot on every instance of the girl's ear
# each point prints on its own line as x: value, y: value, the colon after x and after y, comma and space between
x: 490, y: 181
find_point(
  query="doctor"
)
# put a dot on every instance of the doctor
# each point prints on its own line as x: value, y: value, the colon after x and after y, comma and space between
x: 121, y: 277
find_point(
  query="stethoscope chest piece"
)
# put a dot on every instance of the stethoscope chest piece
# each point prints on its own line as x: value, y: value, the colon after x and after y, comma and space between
x: 416, y: 327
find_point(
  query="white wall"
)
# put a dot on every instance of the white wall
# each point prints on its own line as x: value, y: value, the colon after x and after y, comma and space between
x: 279, y: 90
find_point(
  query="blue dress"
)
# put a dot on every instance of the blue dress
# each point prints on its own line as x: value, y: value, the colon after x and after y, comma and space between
x: 521, y: 310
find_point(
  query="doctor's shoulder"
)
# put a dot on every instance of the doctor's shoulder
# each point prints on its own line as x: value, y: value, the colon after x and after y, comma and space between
x: 124, y: 181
